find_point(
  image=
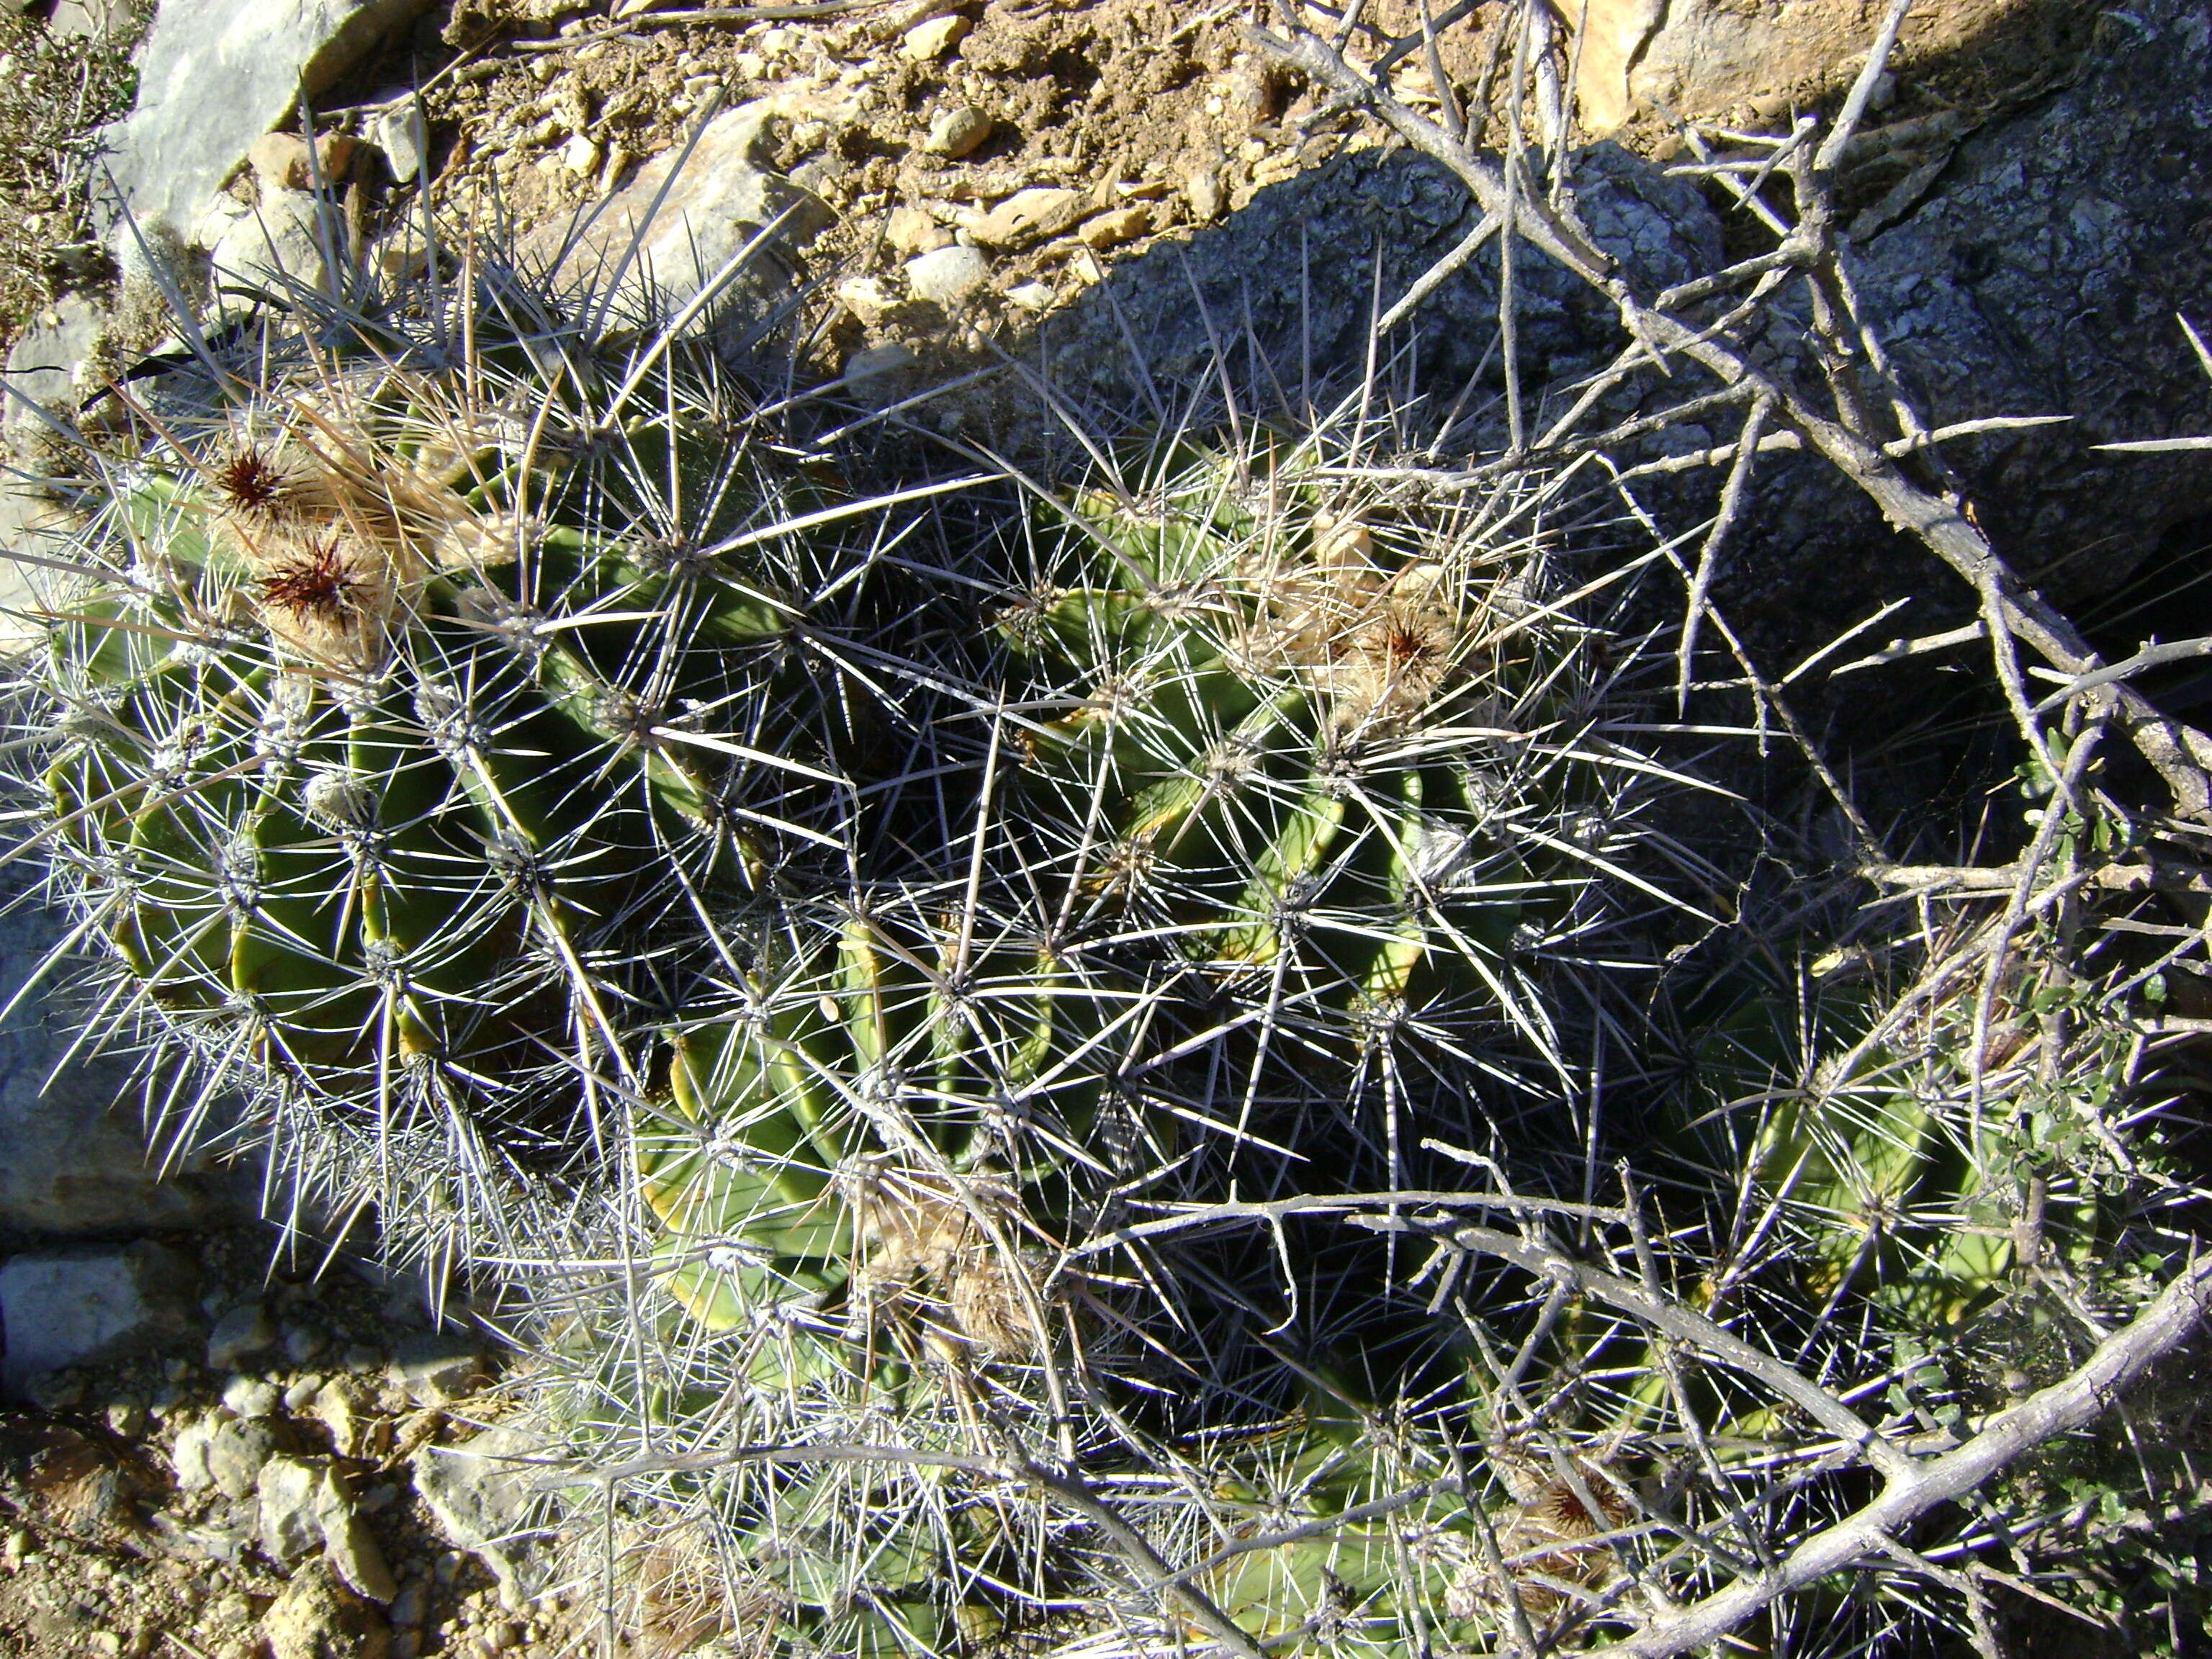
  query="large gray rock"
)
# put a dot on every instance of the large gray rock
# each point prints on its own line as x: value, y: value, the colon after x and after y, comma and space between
x: 282, y: 242
x: 436, y: 1368
x: 216, y: 75
x: 480, y: 1494
x: 42, y: 369
x: 43, y: 389
x: 98, y: 18
x: 317, y: 1617
x: 89, y: 1303
x: 1693, y: 58
x: 226, y: 1453
x: 31, y: 522
x: 72, y: 1163
x: 2037, y: 270
x: 2042, y: 275
x: 1296, y: 272
x: 670, y: 239
x: 300, y: 1499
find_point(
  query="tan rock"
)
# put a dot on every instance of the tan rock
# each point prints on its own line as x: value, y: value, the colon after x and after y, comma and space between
x: 926, y: 42
x: 300, y: 1498
x: 318, y: 1618
x: 867, y: 298
x: 877, y: 362
x: 279, y: 160
x: 1697, y: 57
x: 724, y: 196
x: 350, y: 1548
x: 1112, y: 229
x: 950, y: 276
x: 910, y: 230
x: 1028, y: 215
x: 957, y: 133
x: 337, y: 1408
x: 1202, y: 188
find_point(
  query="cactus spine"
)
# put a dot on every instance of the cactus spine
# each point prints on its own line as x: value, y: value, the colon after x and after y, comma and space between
x: 422, y: 700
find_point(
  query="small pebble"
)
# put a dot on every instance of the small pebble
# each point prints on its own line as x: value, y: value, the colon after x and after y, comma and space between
x: 1202, y: 188
x: 238, y: 1336
x: 867, y: 298
x: 56, y: 1391
x: 876, y: 361
x: 1113, y: 229
x: 127, y: 1418
x: 581, y: 155
x: 408, y: 1606
x: 911, y: 231
x: 360, y: 1360
x: 949, y: 276
x: 251, y: 1397
x: 926, y: 42
x: 957, y: 133
x: 302, y: 1343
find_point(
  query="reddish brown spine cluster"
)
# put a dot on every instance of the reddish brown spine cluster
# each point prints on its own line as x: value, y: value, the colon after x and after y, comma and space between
x: 314, y: 583
x: 251, y: 482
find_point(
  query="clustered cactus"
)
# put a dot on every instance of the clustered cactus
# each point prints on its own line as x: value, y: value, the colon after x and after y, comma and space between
x: 414, y: 705
x: 583, y: 820
x: 1291, y: 806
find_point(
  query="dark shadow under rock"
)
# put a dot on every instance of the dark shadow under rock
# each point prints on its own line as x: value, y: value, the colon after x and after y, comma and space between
x: 2043, y: 275
x: 1289, y: 285
x: 73, y: 1163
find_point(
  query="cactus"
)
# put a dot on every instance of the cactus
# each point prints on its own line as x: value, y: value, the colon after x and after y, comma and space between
x: 1357, y: 797
x: 846, y: 1237
x: 1326, y: 764
x: 837, y: 1136
x: 420, y: 700
x: 1852, y: 1120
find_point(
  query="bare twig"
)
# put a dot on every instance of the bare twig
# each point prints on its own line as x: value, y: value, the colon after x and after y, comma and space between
x: 2180, y: 754
x: 1701, y: 584
x: 1555, y: 1265
x: 2080, y: 1399
x: 2150, y: 656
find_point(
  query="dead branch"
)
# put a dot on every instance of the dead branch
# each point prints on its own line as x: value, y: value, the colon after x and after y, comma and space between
x: 2080, y: 1399
x: 1677, y: 1321
x: 2181, y: 755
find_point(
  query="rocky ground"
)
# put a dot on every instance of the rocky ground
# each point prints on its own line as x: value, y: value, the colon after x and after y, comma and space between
x: 247, y: 1461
